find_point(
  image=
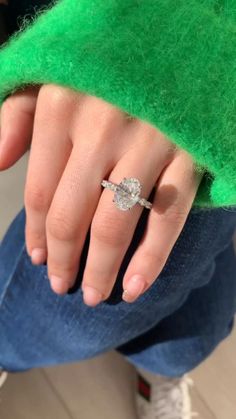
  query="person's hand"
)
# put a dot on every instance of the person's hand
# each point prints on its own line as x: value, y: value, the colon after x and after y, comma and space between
x: 76, y: 141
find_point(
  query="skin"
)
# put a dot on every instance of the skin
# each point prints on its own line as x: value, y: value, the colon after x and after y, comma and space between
x: 76, y: 141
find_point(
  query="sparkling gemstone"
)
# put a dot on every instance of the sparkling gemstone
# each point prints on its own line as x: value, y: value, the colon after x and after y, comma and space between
x: 127, y: 193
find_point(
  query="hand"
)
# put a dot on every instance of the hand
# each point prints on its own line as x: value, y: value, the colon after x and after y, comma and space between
x: 76, y: 141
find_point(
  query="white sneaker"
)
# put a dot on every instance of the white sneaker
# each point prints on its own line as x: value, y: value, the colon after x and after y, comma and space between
x: 3, y: 377
x: 161, y: 397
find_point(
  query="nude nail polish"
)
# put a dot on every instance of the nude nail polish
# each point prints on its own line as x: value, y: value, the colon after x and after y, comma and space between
x: 91, y: 296
x: 38, y: 256
x: 134, y: 288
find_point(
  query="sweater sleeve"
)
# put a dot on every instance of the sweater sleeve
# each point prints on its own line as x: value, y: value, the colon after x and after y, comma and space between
x: 171, y: 63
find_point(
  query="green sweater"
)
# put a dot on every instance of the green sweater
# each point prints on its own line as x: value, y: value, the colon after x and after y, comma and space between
x: 169, y: 62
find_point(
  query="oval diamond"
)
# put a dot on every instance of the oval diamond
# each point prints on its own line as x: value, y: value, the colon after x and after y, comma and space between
x: 127, y: 193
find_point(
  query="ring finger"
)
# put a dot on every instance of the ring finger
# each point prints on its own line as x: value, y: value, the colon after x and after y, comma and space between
x: 112, y: 229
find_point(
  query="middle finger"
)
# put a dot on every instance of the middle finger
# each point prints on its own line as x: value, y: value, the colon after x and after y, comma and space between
x: 78, y: 191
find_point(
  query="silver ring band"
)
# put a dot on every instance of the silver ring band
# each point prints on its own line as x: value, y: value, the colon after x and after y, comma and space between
x: 127, y: 193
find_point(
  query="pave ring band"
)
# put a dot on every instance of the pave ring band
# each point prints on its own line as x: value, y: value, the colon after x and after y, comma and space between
x: 127, y: 193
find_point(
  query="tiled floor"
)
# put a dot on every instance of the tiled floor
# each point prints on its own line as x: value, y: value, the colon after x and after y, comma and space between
x: 102, y: 387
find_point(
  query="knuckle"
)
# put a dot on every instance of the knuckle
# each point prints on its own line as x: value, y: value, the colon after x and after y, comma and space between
x: 35, y: 198
x: 110, y: 231
x: 21, y: 101
x: 101, y: 115
x: 153, y: 258
x: 104, y: 120
x: 34, y: 236
x: 59, y: 225
x: 9, y: 105
x: 66, y: 271
x: 97, y: 278
x: 176, y: 214
x: 56, y: 97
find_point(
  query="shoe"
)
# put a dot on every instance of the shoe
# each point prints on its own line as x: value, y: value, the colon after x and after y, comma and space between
x: 3, y: 377
x: 161, y: 397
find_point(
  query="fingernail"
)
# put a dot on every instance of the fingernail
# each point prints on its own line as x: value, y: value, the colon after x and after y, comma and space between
x: 91, y: 296
x: 38, y: 256
x: 134, y: 288
x: 59, y: 285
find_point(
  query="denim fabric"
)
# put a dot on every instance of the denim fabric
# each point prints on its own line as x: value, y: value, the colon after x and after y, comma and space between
x: 169, y: 330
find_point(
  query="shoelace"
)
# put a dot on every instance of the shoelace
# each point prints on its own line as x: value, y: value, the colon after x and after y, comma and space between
x: 3, y: 377
x: 172, y: 399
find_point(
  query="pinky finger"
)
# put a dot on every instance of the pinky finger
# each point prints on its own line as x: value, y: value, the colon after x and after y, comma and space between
x: 172, y: 202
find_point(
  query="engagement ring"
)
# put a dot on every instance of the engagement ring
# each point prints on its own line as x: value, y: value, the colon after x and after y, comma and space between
x: 127, y: 193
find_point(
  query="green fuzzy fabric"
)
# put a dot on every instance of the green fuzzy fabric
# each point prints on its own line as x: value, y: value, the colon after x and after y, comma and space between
x: 169, y: 62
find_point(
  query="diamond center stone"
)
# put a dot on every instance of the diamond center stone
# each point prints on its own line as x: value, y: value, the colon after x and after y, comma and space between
x: 127, y: 193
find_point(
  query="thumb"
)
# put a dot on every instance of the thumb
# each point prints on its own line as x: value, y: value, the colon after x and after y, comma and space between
x: 17, y: 119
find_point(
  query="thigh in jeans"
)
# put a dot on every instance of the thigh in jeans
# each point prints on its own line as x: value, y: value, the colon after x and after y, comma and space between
x: 185, y: 338
x: 38, y: 327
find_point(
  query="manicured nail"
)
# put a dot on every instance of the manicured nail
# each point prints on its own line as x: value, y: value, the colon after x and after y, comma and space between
x: 59, y: 285
x: 134, y: 288
x: 91, y: 296
x: 38, y: 256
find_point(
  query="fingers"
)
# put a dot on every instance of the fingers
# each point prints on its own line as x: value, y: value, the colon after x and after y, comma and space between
x: 113, y: 229
x: 49, y: 153
x: 17, y: 116
x: 173, y: 199
x: 80, y: 142
x: 78, y: 192
x: 69, y: 218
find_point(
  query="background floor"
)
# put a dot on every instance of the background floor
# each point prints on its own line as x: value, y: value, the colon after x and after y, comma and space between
x: 102, y: 387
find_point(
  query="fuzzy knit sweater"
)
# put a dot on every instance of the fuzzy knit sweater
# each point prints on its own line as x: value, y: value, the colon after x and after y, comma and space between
x: 169, y: 62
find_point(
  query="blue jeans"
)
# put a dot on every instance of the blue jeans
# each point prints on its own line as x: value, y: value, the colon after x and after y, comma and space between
x: 169, y: 330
